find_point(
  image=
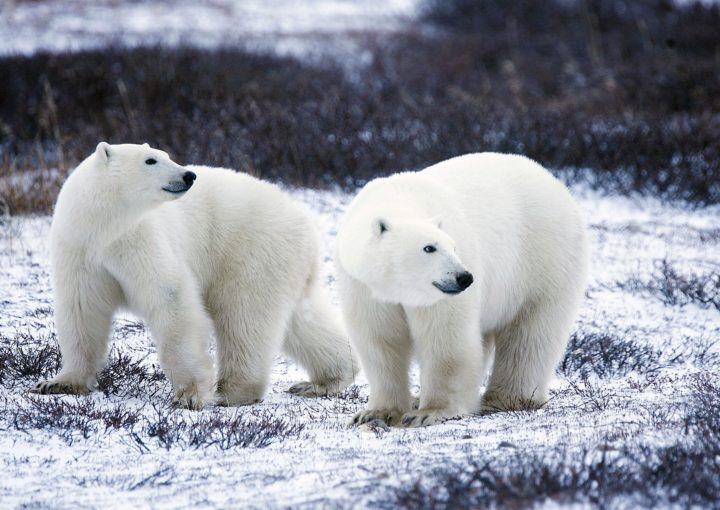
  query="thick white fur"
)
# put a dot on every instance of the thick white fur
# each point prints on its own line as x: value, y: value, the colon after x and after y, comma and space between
x: 512, y: 225
x: 234, y: 252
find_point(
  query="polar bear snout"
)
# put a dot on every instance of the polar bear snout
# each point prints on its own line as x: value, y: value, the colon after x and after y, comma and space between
x: 188, y: 178
x: 462, y: 280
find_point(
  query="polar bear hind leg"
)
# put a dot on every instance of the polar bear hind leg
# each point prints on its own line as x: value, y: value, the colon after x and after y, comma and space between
x: 318, y: 342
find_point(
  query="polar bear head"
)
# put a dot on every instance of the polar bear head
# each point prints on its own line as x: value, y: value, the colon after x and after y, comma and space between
x: 407, y: 261
x: 145, y: 175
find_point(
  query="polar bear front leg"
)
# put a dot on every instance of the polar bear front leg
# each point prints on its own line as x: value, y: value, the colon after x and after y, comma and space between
x: 381, y: 338
x: 85, y: 301
x: 181, y: 328
x: 527, y: 352
x: 159, y: 288
x: 449, y: 349
x: 386, y: 362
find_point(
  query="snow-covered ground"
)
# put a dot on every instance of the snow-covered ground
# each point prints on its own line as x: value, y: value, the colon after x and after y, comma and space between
x: 128, y: 447
x: 283, y: 26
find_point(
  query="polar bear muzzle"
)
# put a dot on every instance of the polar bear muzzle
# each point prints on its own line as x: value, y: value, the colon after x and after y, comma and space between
x: 188, y: 179
x: 462, y: 281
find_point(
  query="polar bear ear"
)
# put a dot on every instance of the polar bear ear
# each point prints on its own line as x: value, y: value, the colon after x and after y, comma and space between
x: 437, y: 221
x: 146, y: 145
x: 380, y: 226
x: 103, y: 151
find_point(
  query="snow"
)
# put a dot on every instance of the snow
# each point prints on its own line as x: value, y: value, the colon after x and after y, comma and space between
x: 283, y: 26
x: 328, y: 463
x: 287, y: 27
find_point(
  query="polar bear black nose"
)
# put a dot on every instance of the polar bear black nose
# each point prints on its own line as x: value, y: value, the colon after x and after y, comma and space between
x: 464, y: 280
x: 189, y: 178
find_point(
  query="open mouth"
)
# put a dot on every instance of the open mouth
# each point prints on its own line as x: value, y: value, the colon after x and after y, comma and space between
x: 176, y: 187
x: 447, y: 289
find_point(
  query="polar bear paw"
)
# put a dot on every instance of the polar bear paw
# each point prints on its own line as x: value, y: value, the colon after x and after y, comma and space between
x: 426, y: 417
x: 192, y: 398
x: 53, y: 387
x: 312, y: 389
x: 234, y: 401
x: 388, y: 416
x: 235, y: 394
x: 495, y: 402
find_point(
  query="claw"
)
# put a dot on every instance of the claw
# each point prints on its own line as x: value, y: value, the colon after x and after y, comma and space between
x: 389, y: 417
x: 57, y: 388
x: 426, y: 417
x: 317, y: 389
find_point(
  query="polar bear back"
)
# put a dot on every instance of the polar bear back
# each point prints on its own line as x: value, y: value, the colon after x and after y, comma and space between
x: 232, y: 222
x: 510, y: 184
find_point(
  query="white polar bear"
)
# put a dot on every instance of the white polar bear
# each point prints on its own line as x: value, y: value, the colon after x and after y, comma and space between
x: 235, y: 253
x: 479, y: 251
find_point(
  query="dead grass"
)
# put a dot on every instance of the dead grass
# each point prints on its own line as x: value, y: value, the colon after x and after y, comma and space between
x: 674, y: 288
x: 684, y: 472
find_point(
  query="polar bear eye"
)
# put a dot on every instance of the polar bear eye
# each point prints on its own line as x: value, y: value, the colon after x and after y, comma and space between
x: 150, y: 161
x: 429, y: 249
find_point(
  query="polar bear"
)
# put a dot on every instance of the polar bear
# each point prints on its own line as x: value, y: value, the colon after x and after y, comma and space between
x: 480, y: 253
x: 132, y: 229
